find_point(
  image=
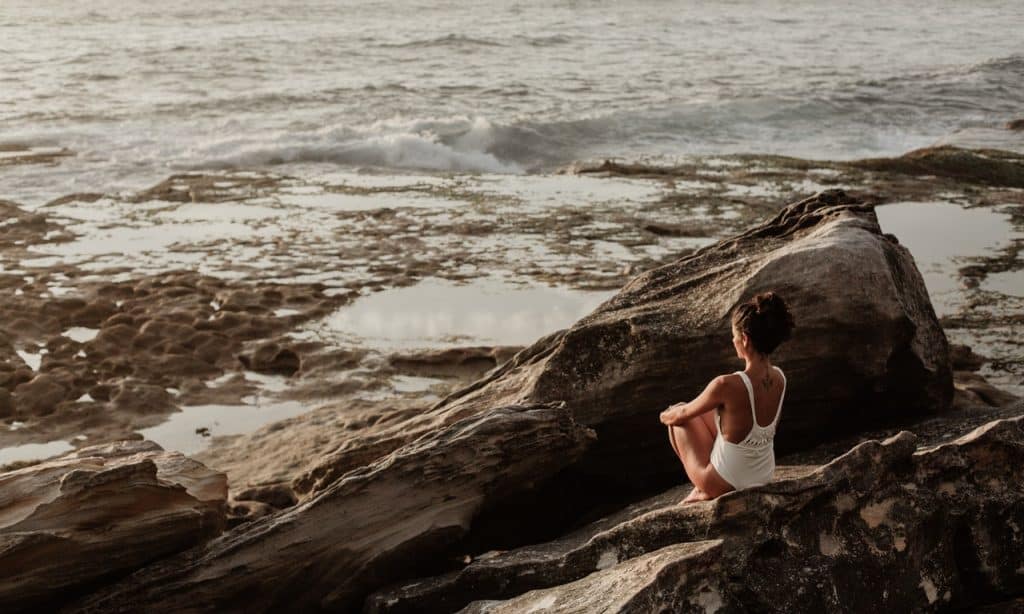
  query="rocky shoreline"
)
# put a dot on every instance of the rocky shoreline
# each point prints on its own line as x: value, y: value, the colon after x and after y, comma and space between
x: 448, y: 493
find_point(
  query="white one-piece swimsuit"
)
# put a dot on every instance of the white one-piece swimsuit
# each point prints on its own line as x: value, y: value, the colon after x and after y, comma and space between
x: 751, y: 461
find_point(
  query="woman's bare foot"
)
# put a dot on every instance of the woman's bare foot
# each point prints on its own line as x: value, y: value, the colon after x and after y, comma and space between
x: 695, y: 495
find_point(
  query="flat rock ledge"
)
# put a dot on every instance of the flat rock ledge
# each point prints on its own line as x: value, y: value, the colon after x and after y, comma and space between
x: 889, y: 526
x: 69, y: 524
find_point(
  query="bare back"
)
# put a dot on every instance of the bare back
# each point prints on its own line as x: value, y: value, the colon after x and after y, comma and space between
x: 735, y: 415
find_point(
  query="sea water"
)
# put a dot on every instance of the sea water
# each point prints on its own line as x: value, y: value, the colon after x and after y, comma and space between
x: 138, y: 91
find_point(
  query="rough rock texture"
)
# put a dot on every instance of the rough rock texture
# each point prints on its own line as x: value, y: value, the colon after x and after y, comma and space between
x: 374, y: 525
x: 631, y: 532
x: 98, y: 513
x: 888, y: 526
x: 678, y: 578
x: 868, y: 346
x: 175, y: 331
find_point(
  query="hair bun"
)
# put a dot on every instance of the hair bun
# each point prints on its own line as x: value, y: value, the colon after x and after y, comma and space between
x: 767, y: 301
x: 766, y: 319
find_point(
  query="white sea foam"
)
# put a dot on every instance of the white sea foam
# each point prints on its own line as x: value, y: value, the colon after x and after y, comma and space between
x: 456, y: 144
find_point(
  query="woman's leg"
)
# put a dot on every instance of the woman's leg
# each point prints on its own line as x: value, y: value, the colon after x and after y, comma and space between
x: 709, y: 421
x: 709, y: 424
x: 692, y: 442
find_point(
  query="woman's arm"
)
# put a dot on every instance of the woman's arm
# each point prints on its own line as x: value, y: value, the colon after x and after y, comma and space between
x: 712, y: 397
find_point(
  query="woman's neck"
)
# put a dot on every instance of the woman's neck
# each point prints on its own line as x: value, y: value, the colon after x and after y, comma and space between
x: 757, y: 362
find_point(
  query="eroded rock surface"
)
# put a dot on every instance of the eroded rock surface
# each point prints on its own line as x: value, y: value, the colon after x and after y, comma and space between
x: 98, y: 513
x: 868, y: 345
x: 121, y: 356
x: 631, y: 532
x: 378, y: 523
x: 666, y: 580
x: 888, y: 526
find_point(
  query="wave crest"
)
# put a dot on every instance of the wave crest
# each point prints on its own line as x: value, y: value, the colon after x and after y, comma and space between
x: 445, y: 144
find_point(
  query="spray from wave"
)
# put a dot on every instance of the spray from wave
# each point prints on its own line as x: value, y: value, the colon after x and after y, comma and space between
x: 453, y: 144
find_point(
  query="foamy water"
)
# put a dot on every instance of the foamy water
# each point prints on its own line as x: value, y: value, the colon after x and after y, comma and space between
x: 138, y: 91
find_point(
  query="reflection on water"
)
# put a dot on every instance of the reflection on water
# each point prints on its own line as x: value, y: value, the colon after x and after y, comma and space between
x: 438, y: 312
x: 33, y: 451
x: 413, y: 383
x: 33, y: 359
x: 1006, y: 282
x: 81, y: 334
x: 189, y: 430
x: 941, y: 236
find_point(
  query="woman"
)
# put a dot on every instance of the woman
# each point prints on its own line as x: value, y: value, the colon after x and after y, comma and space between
x: 735, y: 449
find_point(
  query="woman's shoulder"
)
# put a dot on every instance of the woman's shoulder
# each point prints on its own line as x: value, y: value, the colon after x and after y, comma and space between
x: 728, y: 382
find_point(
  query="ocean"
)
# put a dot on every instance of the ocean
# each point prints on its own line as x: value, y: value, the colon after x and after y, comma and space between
x: 139, y: 91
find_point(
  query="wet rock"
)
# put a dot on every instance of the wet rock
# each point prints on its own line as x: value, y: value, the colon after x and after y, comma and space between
x: 985, y: 166
x: 40, y: 395
x: 963, y: 358
x: 198, y: 187
x: 141, y: 398
x: 868, y: 347
x: 379, y: 523
x: 888, y: 526
x: 21, y: 225
x: 12, y: 379
x: 6, y: 403
x: 79, y: 197
x: 979, y: 390
x: 453, y: 361
x: 90, y: 516
x: 27, y: 155
x: 272, y: 358
x: 676, y: 230
x: 151, y: 333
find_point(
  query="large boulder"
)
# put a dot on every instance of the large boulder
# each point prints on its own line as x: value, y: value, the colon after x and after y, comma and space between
x: 90, y: 516
x: 868, y: 347
x: 890, y: 526
x: 384, y: 522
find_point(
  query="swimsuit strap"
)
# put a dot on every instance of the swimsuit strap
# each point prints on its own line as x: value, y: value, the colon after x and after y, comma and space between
x: 750, y: 393
x: 782, y: 396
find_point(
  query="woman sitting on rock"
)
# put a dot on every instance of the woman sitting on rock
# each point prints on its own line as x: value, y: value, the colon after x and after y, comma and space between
x: 735, y: 449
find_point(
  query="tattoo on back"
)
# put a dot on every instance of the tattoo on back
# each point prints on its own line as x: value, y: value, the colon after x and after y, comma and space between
x: 767, y: 381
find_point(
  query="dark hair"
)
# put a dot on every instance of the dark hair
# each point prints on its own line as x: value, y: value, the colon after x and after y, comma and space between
x: 765, y: 319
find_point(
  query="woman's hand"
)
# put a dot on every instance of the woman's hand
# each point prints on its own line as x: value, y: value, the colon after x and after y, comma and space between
x: 669, y: 416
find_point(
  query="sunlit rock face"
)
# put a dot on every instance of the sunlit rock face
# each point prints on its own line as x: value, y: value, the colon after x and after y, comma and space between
x: 96, y: 514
